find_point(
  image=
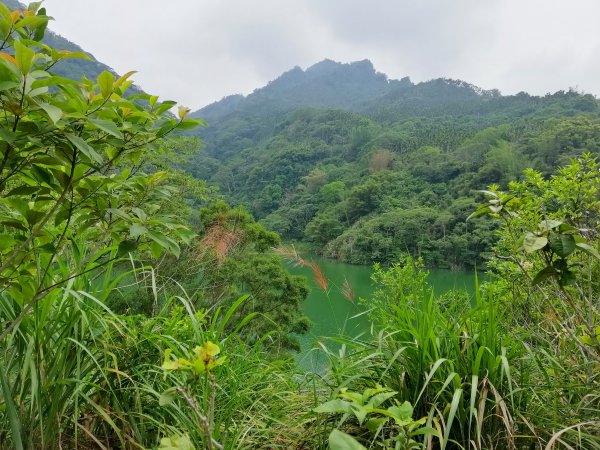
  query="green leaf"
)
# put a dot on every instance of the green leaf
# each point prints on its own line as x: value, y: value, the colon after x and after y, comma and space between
x: 126, y: 247
x: 402, y: 412
x: 107, y: 126
x: 40, y: 30
x: 165, y: 106
x: 375, y: 423
x: 562, y: 244
x: 549, y: 224
x: 42, y: 174
x: 12, y: 413
x: 176, y: 443
x: 84, y: 147
x: 23, y: 190
x: 485, y: 209
x: 6, y: 241
x: 167, y: 397
x: 588, y: 249
x: 428, y: 431
x: 53, y: 112
x: 124, y: 78
x: 24, y: 57
x: 378, y: 399
x: 566, y: 277
x: 566, y: 228
x: 338, y: 440
x: 338, y: 406
x: 65, y: 54
x: 544, y: 274
x: 7, y: 135
x: 105, y: 82
x: 532, y: 242
x: 360, y: 412
x: 188, y: 124
x: 166, y: 243
x: 13, y: 224
x: 7, y: 85
x: 137, y: 230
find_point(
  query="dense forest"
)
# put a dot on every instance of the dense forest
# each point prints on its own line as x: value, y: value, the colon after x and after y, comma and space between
x: 367, y: 168
x: 141, y: 310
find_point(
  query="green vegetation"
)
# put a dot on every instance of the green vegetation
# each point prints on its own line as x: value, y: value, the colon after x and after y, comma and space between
x: 138, y: 310
x: 393, y: 170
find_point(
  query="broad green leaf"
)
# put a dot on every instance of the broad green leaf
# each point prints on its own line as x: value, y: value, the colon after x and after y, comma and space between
x: 176, y: 443
x: 544, y: 274
x: 338, y: 440
x: 33, y: 22
x: 532, y: 242
x: 6, y: 241
x: 24, y: 57
x: 549, y: 224
x: 402, y: 412
x: 107, y: 126
x: 165, y: 106
x: 334, y: 406
x: 53, y: 112
x: 360, y: 412
x: 13, y: 224
x: 53, y: 80
x: 126, y: 247
x: 8, y: 85
x: 42, y: 174
x: 41, y: 29
x: 188, y: 124
x: 166, y: 243
x: 7, y: 135
x: 378, y: 399
x: 562, y: 244
x: 84, y: 147
x: 23, y: 190
x: 566, y: 277
x: 566, y: 228
x: 375, y: 423
x: 137, y: 230
x: 106, y: 81
x: 588, y: 249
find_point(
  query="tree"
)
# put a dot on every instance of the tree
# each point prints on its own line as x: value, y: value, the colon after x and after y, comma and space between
x: 547, y: 250
x: 73, y: 201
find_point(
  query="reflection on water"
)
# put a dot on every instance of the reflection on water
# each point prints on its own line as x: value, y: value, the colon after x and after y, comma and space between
x: 337, y: 311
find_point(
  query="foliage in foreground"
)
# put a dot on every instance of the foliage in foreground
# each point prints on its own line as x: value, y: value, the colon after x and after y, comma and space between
x: 448, y: 372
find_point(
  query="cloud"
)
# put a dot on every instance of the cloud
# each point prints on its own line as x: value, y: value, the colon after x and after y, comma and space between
x: 197, y: 51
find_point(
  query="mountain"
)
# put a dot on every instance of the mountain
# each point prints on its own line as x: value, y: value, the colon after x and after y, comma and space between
x: 72, y: 68
x: 364, y: 167
x: 358, y: 87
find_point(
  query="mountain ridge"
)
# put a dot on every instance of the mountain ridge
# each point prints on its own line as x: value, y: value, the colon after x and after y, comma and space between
x: 361, y: 76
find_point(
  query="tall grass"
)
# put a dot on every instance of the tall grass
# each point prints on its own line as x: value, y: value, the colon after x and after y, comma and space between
x: 75, y: 375
x: 454, y: 364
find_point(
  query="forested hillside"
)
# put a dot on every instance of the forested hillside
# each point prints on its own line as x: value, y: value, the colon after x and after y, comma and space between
x: 140, y: 311
x: 365, y: 167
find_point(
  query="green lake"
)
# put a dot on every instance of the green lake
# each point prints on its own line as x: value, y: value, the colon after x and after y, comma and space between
x: 333, y: 314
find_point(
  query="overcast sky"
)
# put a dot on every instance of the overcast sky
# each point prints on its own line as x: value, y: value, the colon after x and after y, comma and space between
x: 198, y: 51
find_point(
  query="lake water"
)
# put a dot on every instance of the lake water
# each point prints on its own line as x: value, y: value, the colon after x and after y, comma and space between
x: 333, y: 314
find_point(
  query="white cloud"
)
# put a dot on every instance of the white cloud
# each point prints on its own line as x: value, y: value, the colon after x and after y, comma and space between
x: 197, y: 51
